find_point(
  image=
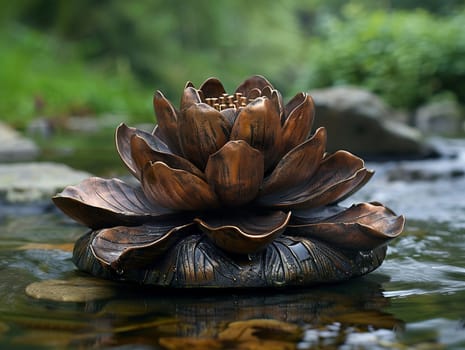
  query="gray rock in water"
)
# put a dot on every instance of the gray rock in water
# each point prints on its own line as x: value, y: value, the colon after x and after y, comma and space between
x: 14, y: 147
x: 427, y: 190
x: 440, y: 118
x: 358, y: 121
x: 35, y: 182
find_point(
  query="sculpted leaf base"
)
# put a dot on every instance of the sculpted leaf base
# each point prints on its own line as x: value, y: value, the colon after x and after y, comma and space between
x: 194, y: 262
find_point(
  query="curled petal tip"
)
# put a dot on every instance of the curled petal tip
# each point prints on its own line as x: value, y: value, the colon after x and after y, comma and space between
x: 363, y: 226
x: 189, y: 97
x: 254, y: 82
x: 247, y: 233
x: 189, y: 84
x: 123, y: 247
x: 123, y: 136
x: 212, y: 87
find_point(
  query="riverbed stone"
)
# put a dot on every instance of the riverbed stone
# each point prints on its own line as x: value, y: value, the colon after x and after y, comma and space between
x: 14, y: 147
x: 444, y: 117
x: 35, y: 181
x: 426, y: 190
x: 360, y: 122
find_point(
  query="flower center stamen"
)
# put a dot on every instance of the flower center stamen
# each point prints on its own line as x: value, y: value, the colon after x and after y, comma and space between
x: 227, y: 101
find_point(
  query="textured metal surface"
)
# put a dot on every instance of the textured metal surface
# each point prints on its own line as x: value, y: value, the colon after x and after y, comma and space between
x: 196, y: 263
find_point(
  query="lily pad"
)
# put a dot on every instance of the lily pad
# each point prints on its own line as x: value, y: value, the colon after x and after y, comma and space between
x: 78, y: 289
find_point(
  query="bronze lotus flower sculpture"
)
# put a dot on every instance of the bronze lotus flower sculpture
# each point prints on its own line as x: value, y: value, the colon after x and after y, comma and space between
x: 234, y: 191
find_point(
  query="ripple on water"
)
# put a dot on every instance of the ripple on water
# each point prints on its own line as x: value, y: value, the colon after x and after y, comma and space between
x: 426, y: 259
x: 413, y: 277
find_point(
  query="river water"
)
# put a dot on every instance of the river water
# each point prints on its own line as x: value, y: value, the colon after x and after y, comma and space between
x: 415, y: 300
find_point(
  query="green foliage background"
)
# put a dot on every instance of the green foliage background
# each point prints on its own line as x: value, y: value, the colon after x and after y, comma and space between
x: 88, y: 57
x: 406, y: 57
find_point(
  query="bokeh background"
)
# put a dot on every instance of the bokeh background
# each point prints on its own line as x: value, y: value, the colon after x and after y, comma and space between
x: 62, y: 58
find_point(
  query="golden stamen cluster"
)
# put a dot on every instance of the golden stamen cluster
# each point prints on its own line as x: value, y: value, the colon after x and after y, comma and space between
x: 228, y: 101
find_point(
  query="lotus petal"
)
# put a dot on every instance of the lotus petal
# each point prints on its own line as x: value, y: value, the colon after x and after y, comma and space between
x: 313, y: 215
x: 212, y: 87
x: 345, y: 188
x: 294, y: 102
x: 230, y: 115
x: 364, y: 226
x: 162, y: 146
x: 176, y: 189
x: 142, y: 153
x: 275, y: 97
x: 254, y: 82
x: 167, y: 121
x: 123, y: 137
x: 356, y: 185
x: 202, y: 131
x: 298, y: 123
x: 99, y: 203
x: 259, y: 124
x: 123, y: 146
x: 297, y: 166
x: 338, y: 174
x: 124, y: 247
x: 336, y: 192
x: 278, y: 101
x: 189, y: 97
x: 235, y: 172
x: 244, y: 232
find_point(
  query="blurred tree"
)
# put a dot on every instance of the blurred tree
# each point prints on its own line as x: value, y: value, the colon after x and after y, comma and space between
x: 406, y: 57
x: 165, y: 42
x: 433, y: 6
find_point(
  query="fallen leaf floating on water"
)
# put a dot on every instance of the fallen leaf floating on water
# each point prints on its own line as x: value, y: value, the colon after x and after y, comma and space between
x: 67, y: 247
x: 78, y: 289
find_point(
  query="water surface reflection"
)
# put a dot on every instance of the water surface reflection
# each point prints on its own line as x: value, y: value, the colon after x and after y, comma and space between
x: 137, y: 315
x: 414, y: 300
